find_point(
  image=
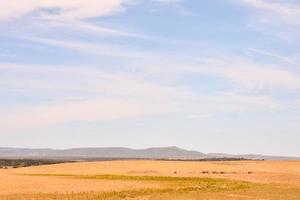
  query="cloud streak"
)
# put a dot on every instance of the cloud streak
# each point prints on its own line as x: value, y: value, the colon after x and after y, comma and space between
x: 279, y: 19
x: 56, y: 9
x: 285, y: 12
x: 92, y: 48
x: 66, y: 10
x: 238, y: 70
x: 103, y: 109
x: 110, y: 96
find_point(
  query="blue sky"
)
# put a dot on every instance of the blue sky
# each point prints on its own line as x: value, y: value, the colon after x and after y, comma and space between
x: 214, y: 76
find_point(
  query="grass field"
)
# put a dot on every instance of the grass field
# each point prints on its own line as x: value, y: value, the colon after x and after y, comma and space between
x: 154, y: 180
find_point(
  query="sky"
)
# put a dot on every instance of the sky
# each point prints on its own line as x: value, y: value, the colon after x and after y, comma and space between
x: 213, y: 76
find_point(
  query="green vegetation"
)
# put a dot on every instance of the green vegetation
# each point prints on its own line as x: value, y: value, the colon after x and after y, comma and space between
x: 16, y: 163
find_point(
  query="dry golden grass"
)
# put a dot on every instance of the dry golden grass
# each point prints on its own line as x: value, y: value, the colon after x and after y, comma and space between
x: 154, y: 180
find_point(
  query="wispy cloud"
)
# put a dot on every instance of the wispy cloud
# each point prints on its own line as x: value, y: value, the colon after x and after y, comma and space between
x: 279, y: 19
x: 95, y: 93
x: 89, y: 28
x: 91, y: 48
x: 110, y: 96
x: 260, y: 78
x: 62, y: 10
x: 285, y: 59
x: 244, y: 73
x: 102, y: 109
x: 288, y: 13
x: 236, y: 69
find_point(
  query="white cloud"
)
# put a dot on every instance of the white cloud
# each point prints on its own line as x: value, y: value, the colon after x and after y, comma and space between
x: 246, y: 74
x: 88, y: 79
x: 260, y: 78
x: 274, y: 11
x: 64, y: 9
x: 87, y: 28
x: 275, y: 18
x: 58, y: 9
x: 285, y: 59
x: 238, y: 70
x: 103, y: 109
x: 93, y: 48
x: 168, y: 1
x: 109, y: 96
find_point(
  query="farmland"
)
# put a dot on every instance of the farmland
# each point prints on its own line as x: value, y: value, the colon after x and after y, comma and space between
x: 150, y: 179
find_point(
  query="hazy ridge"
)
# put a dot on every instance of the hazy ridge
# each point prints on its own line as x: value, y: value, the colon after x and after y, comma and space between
x: 121, y: 152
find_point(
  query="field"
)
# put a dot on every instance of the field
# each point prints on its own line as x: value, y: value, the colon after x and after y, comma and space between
x: 146, y: 179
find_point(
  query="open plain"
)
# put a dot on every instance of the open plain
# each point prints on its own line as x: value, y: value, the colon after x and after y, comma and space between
x: 150, y: 179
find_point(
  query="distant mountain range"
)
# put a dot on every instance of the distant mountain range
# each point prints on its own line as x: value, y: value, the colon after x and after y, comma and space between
x: 126, y: 153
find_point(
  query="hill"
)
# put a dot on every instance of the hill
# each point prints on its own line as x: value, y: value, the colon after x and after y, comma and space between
x: 125, y: 153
